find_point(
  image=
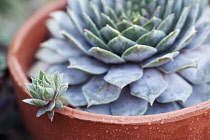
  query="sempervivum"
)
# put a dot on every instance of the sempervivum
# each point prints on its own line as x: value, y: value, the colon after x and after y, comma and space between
x: 130, y: 57
x: 47, y: 92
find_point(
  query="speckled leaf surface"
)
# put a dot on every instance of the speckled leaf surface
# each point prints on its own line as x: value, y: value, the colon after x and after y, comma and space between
x: 124, y: 74
x: 62, y: 47
x: 178, y: 89
x: 201, y: 93
x: 200, y: 75
x: 120, y: 44
x: 72, y: 76
x: 152, y: 38
x: 128, y: 105
x: 150, y: 86
x: 98, y: 91
x: 133, y: 33
x: 79, y: 43
x: 160, y: 60
x: 53, y: 59
x: 75, y: 96
x: 138, y: 53
x: 105, y: 56
x: 88, y: 65
x: 182, y: 61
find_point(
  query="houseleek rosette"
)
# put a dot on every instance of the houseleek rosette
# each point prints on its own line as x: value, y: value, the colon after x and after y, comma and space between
x: 130, y: 57
x: 47, y: 92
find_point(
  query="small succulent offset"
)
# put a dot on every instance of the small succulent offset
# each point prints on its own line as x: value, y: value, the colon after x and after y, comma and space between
x: 47, y: 92
x: 130, y: 57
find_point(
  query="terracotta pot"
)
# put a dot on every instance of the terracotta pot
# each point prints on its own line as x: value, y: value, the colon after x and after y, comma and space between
x: 189, y: 123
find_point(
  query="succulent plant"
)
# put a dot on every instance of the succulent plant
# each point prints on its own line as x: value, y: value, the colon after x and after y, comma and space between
x: 130, y: 57
x: 47, y: 92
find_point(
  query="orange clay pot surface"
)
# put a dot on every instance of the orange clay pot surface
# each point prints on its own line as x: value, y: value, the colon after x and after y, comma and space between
x: 72, y: 124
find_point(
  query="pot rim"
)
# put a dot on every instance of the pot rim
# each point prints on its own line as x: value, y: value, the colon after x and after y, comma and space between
x: 19, y: 77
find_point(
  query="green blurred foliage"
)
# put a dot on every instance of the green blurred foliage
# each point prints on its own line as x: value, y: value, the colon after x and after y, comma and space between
x: 12, y: 15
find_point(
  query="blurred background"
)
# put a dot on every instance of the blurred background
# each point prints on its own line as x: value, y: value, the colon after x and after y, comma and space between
x: 13, y: 13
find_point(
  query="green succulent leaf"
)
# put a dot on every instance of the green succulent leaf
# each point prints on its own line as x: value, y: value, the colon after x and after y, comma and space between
x: 53, y: 59
x: 203, y: 90
x: 48, y: 94
x: 32, y: 91
x: 62, y: 90
x: 58, y: 18
x: 157, y: 12
x: 88, y: 65
x: 201, y: 75
x: 94, y: 40
x: 109, y: 33
x: 165, y: 25
x: 168, y: 41
x: 79, y: 24
x: 75, y: 96
x: 152, y: 38
x: 105, y: 56
x: 40, y: 90
x: 41, y: 111
x: 38, y: 102
x: 183, y: 17
x: 84, y: 7
x: 134, y: 32
x: 168, y: 8
x: 29, y: 101
x: 138, y: 53
x: 160, y: 60
x: 182, y: 42
x: 146, y: 88
x: 72, y: 76
x: 182, y: 61
x: 113, y: 15
x: 192, y: 16
x: 172, y: 93
x: 109, y: 21
x: 153, y: 23
x: 58, y: 78
x: 62, y: 47
x: 119, y: 75
x: 200, y: 37
x: 54, y: 28
x: 51, y: 114
x: 91, y: 25
x: 64, y: 101
x: 178, y: 6
x: 50, y: 106
x: 128, y: 105
x: 98, y: 91
x: 124, y: 24
x: 75, y: 7
x: 96, y: 13
x: 139, y: 20
x: 58, y: 104
x: 81, y: 44
x: 119, y: 44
